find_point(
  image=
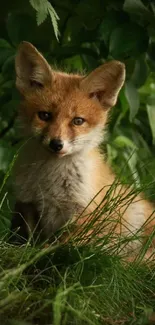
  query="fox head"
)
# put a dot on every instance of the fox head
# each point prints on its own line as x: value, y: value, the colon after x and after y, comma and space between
x: 65, y: 112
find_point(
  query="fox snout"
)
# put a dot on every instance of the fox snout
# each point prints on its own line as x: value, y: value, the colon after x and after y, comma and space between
x: 56, y: 145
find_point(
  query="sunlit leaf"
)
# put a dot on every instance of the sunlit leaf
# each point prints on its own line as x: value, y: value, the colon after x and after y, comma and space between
x: 137, y: 7
x: 151, y: 115
x: 43, y: 9
x: 132, y: 96
x: 54, y: 19
x: 41, y: 16
x: 123, y: 141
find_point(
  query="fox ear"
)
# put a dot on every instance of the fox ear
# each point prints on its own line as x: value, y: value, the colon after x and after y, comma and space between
x: 32, y: 70
x: 105, y: 82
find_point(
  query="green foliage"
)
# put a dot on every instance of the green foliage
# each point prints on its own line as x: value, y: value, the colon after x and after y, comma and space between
x: 44, y: 8
x: 90, y: 32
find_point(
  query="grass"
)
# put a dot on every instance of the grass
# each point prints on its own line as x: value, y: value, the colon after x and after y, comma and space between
x: 75, y: 283
x: 66, y: 285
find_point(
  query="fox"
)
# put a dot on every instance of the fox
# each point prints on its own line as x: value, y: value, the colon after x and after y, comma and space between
x: 60, y: 172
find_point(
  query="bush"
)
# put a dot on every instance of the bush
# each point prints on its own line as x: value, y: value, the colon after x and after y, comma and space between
x: 85, y: 286
x: 77, y: 36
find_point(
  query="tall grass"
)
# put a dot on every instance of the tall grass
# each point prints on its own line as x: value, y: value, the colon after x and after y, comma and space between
x: 85, y: 281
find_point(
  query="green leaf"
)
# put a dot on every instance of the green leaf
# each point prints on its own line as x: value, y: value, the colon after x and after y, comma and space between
x: 151, y: 116
x: 4, y: 44
x: 153, y: 7
x: 137, y: 7
x: 132, y: 97
x: 128, y: 40
x: 151, y: 99
x: 19, y: 26
x: 41, y: 16
x: 8, y: 85
x: 6, y: 155
x: 38, y: 5
x: 123, y: 141
x: 140, y: 72
x: 151, y: 53
x: 8, y: 70
x: 73, y: 64
x: 5, y: 51
x: 54, y: 19
x: 89, y: 13
x: 109, y: 23
x: 43, y: 8
x: 73, y: 32
x: 112, y: 153
x: 89, y: 62
x: 8, y: 110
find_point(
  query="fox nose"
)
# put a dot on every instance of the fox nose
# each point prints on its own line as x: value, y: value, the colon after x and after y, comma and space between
x: 56, y: 145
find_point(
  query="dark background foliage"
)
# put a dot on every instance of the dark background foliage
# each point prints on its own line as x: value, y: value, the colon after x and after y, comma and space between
x: 79, y: 35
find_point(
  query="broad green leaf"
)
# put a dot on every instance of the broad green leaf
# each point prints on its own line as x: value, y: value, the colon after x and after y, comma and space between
x: 6, y: 155
x: 136, y: 7
x: 8, y: 109
x: 5, y: 51
x: 151, y: 116
x: 123, y: 141
x: 140, y: 72
x: 73, y: 64
x: 148, y: 88
x: 89, y: 13
x: 153, y: 7
x: 151, y: 54
x: 109, y: 22
x: 4, y: 44
x: 8, y: 70
x: 20, y: 27
x: 89, y: 62
x: 73, y: 32
x: 112, y: 153
x: 8, y: 85
x: 151, y: 99
x: 128, y: 40
x: 132, y: 96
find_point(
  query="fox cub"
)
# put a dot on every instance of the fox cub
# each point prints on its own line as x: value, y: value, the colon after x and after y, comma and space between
x: 59, y: 169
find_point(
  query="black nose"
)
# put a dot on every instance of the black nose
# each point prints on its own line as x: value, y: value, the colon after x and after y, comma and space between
x: 56, y: 145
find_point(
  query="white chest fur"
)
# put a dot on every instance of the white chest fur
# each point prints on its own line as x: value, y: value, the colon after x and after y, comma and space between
x: 58, y: 186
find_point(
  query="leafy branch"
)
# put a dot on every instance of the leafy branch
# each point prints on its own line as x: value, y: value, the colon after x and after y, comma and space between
x: 43, y: 9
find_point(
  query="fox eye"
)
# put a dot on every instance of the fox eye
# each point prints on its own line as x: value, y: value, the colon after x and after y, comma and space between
x: 44, y: 116
x: 78, y: 120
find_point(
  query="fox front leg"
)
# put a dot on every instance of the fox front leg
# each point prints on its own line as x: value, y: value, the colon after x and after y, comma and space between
x: 24, y: 223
